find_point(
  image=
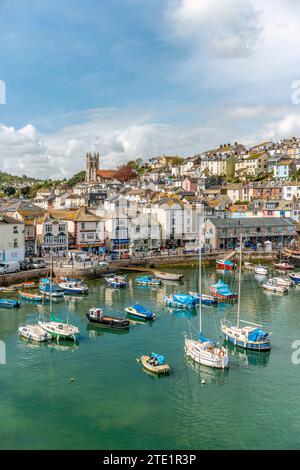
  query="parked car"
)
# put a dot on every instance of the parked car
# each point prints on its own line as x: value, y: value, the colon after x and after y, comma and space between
x: 38, y: 264
x: 103, y: 264
x: 9, y: 267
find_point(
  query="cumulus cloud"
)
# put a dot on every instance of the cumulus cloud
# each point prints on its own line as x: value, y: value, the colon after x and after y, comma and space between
x: 230, y: 28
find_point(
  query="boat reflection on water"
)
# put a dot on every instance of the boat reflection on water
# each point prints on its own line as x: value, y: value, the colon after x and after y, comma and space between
x: 63, y: 345
x: 182, y: 313
x: 208, y: 374
x: 95, y: 331
x: 247, y: 357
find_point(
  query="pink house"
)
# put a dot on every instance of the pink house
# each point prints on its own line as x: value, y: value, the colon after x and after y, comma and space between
x: 190, y: 184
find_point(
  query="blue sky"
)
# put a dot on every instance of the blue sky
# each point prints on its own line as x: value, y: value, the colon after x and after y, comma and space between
x: 133, y: 78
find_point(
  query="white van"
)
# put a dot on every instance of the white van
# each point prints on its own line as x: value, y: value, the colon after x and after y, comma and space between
x: 10, y: 267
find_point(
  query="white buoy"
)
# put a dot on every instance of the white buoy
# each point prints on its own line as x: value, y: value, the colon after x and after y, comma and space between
x: 203, y: 382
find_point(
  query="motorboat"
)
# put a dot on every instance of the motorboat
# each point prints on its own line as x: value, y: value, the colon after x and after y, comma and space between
x: 34, y: 333
x: 74, y: 287
x: 249, y: 266
x: 225, y: 264
x: 205, y: 299
x: 155, y: 363
x: 140, y: 312
x: 272, y: 286
x: 116, y: 281
x: 148, y: 281
x: 168, y: 276
x: 262, y: 270
x: 180, y: 301
x: 281, y: 281
x: 58, y: 329
x: 9, y: 303
x: 96, y: 317
x: 222, y: 292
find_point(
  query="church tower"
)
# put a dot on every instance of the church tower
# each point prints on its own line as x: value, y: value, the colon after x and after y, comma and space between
x: 91, y: 167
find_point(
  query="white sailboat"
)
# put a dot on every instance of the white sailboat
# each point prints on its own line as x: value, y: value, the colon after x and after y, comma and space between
x: 205, y: 351
x: 250, y: 336
x: 56, y: 327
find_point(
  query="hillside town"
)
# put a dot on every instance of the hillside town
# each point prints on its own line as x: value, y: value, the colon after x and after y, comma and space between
x: 159, y: 205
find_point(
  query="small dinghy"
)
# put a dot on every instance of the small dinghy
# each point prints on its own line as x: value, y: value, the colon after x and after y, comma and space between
x: 205, y: 299
x: 284, y: 266
x: 140, y: 312
x: 222, y: 292
x: 74, y: 287
x: 9, y: 303
x: 96, y: 317
x: 281, y: 281
x: 295, y: 277
x: 272, y: 286
x: 168, y: 276
x: 148, y: 281
x: 31, y: 297
x: 116, y: 281
x: 155, y: 363
x: 249, y: 266
x: 34, y: 333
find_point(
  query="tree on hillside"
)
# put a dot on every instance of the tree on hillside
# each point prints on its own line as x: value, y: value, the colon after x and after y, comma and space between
x: 78, y: 178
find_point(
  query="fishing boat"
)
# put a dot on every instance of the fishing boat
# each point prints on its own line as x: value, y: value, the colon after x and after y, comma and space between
x: 148, y: 281
x: 34, y: 333
x: 249, y: 336
x: 140, y: 312
x: 57, y: 327
x: 272, y: 286
x: 180, y: 301
x: 9, y: 303
x: 205, y: 299
x: 28, y: 284
x: 295, y: 277
x: 50, y: 289
x: 32, y: 297
x: 74, y: 287
x: 96, y: 317
x: 116, y: 281
x: 168, y: 276
x: 225, y: 264
x: 262, y: 270
x: 222, y: 292
x: 284, y: 266
x: 155, y: 363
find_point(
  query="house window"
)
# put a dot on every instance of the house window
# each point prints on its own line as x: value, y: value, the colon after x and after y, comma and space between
x: 62, y: 228
x: 15, y: 229
x: 48, y: 239
x: 16, y: 243
x: 61, y: 239
x: 83, y: 236
x: 90, y: 236
x: 82, y: 225
x: 138, y: 229
x: 48, y: 228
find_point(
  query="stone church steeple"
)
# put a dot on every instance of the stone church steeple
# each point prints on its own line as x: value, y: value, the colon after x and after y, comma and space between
x: 91, y: 167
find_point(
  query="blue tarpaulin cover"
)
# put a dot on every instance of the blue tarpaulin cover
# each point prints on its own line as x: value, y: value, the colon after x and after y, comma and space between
x: 183, y: 298
x: 141, y: 309
x: 160, y: 359
x: 222, y: 288
x: 258, y: 335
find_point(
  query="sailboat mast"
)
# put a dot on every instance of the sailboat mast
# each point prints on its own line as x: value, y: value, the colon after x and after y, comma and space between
x: 51, y: 272
x: 239, y: 289
x: 200, y: 270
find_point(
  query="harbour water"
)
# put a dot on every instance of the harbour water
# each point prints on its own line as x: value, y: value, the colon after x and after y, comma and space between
x: 94, y: 395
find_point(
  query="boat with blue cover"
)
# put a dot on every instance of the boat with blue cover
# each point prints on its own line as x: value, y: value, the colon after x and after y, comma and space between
x: 180, y: 301
x: 50, y: 289
x: 9, y: 303
x: 155, y: 363
x: 148, y: 281
x: 205, y: 299
x: 222, y: 292
x: 140, y: 312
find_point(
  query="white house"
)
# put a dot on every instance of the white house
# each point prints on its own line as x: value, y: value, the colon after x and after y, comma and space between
x: 12, y: 239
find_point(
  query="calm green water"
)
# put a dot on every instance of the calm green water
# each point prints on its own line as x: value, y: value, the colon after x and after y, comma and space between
x: 113, y: 403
